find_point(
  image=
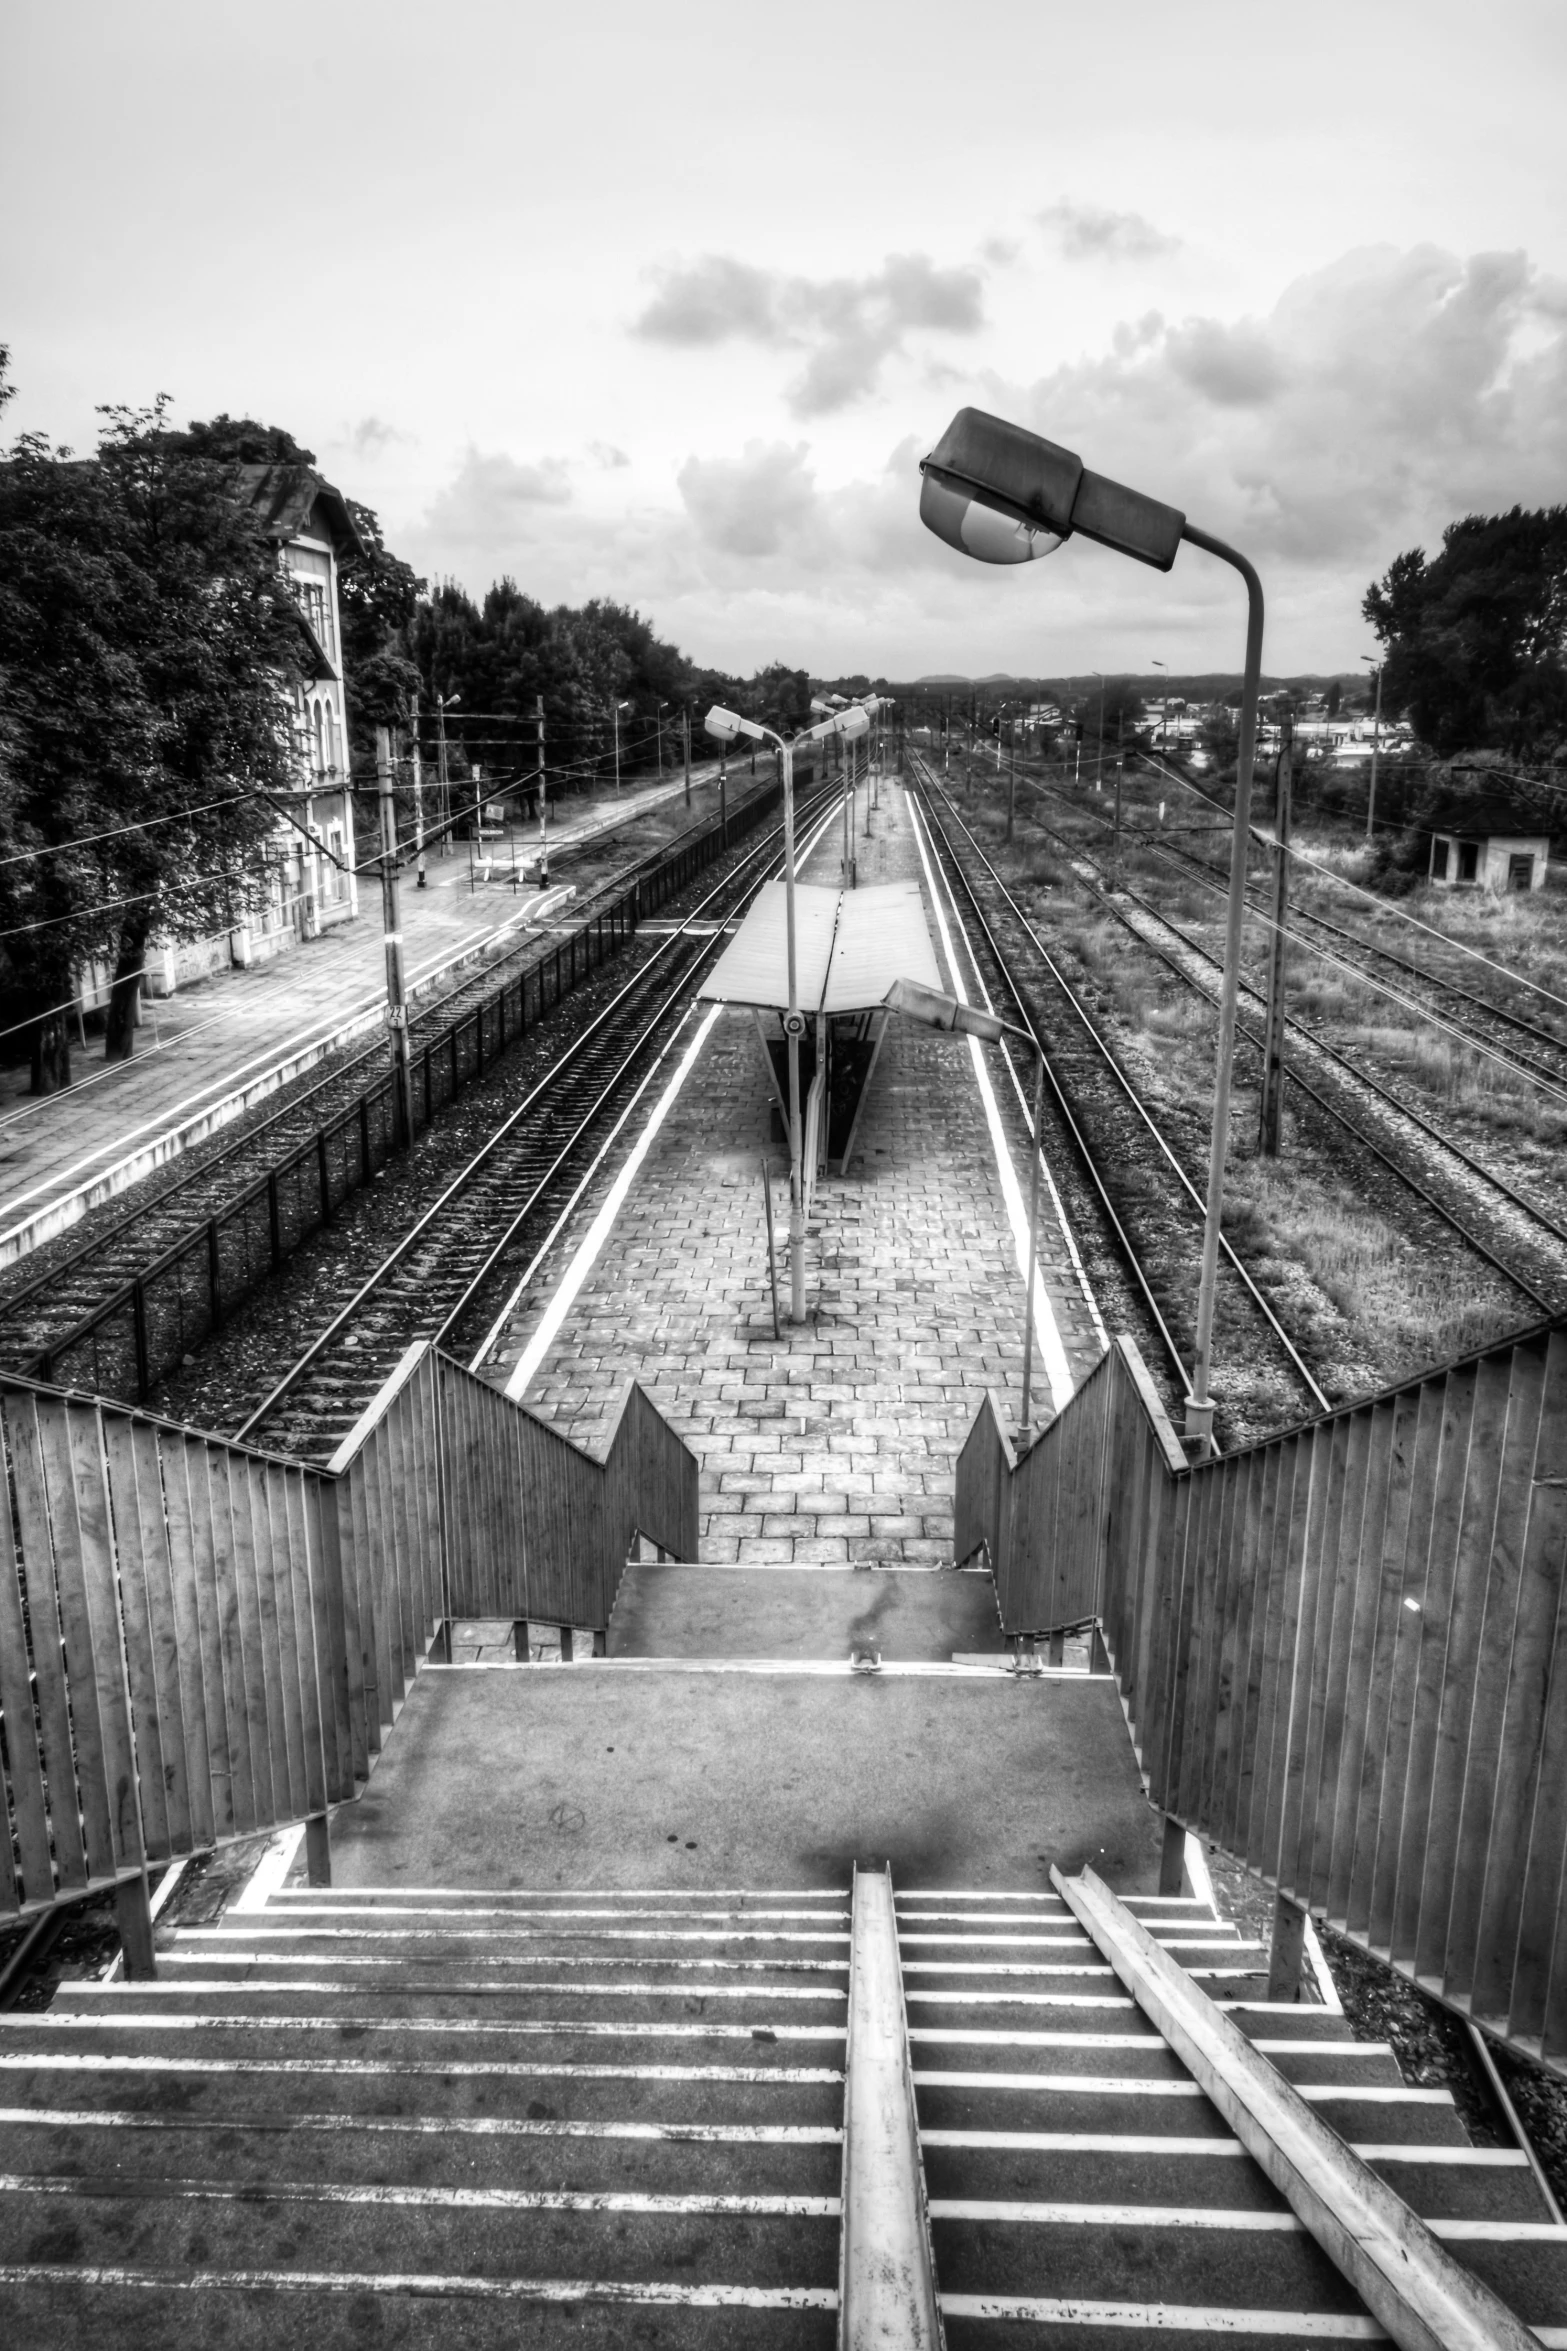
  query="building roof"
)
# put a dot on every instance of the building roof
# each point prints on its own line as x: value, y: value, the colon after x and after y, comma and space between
x: 287, y: 498
x: 1484, y: 816
x: 850, y: 945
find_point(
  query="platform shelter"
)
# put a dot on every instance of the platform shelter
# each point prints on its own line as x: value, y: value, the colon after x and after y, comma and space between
x: 850, y: 945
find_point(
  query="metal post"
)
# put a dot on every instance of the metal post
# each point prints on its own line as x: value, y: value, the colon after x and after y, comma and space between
x: 723, y: 797
x: 793, y: 1024
x: 1199, y: 1405
x: 392, y: 928
x: 615, y: 716
x: 544, y: 840
x: 1172, y: 1856
x: 443, y: 782
x: 772, y: 1245
x: 418, y: 777
x: 685, y: 723
x: 318, y: 1841
x: 1286, y: 1951
x: 1099, y: 763
x: 847, y: 750
x: 1033, y: 1244
x: 1273, y: 1032
x: 1376, y: 748
x: 133, y: 1917
x: 1011, y: 775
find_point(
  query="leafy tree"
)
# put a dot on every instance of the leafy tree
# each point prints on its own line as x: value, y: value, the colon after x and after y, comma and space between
x: 1475, y: 637
x: 145, y: 637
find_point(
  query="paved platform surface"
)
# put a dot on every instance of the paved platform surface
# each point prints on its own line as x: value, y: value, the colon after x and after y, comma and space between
x: 680, y: 1610
x: 193, y: 1046
x: 836, y: 1442
x: 657, y: 1776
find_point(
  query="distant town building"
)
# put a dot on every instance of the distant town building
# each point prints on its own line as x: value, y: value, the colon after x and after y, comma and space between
x: 1489, y: 843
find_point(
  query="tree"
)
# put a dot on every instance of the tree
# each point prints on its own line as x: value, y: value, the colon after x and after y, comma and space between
x: 146, y: 643
x: 1475, y: 637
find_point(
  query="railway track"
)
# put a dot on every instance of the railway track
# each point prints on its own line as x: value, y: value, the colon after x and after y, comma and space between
x: 1525, y: 1244
x: 118, y: 1303
x: 1134, y: 1180
x: 498, y: 1207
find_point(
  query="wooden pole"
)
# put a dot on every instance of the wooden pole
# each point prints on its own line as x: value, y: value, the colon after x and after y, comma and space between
x: 1273, y: 1029
x: 685, y: 729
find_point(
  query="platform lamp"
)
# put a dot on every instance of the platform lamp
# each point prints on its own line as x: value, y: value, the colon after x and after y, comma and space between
x: 1004, y: 495
x: 939, y: 1011
x: 726, y: 726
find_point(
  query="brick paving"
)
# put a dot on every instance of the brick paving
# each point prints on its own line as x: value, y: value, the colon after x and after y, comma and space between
x: 835, y: 1444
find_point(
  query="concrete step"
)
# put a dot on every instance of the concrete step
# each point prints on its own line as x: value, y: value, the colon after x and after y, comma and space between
x: 148, y: 2312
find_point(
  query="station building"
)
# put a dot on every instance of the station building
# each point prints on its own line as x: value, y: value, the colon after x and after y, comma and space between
x: 1491, y: 843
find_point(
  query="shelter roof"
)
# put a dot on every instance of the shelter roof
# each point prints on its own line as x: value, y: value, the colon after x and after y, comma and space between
x: 1482, y: 816
x: 849, y: 946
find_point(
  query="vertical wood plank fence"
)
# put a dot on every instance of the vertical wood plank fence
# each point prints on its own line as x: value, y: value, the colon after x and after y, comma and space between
x: 200, y: 1641
x: 1343, y: 1650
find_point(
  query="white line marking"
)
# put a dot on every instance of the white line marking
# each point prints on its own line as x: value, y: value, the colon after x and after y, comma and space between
x: 425, y: 2284
x: 598, y: 1232
x: 441, y: 1895
x: 584, y: 2028
x: 433, y: 2199
x: 95, y: 2061
x: 1167, y: 2317
x: 305, y: 1934
x: 1113, y: 2216
x: 675, y: 1989
x: 1131, y: 2143
x: 1140, y: 2086
x: 1057, y: 1370
x: 783, y: 2134
x: 270, y: 1871
x: 352, y: 1909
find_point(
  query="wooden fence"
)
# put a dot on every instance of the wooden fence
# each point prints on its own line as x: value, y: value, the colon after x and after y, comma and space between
x: 1343, y: 1651
x: 201, y: 1641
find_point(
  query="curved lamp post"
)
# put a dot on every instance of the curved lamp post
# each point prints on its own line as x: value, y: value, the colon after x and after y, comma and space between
x: 726, y: 726
x: 1004, y: 495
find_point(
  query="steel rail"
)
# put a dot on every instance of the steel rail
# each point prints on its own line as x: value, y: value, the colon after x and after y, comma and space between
x: 1275, y: 1326
x: 1356, y: 1076
x: 758, y: 855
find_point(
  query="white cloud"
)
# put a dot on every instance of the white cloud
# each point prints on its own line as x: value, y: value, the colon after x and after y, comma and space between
x: 1088, y: 232
x: 750, y: 505
x: 848, y: 326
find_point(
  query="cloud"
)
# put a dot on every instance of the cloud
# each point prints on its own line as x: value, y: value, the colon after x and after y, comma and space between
x: 848, y: 327
x: 1088, y: 232
x: 606, y: 454
x: 750, y: 505
x: 371, y: 436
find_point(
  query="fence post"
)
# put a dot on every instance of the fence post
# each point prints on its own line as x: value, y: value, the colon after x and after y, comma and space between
x: 133, y: 1917
x: 1172, y: 1856
x: 522, y: 1640
x: 318, y: 1850
x: 1289, y: 1943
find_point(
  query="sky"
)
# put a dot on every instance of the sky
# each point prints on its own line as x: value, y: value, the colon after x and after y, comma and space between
x: 665, y: 304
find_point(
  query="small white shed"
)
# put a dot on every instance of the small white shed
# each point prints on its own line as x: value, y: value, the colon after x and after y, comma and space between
x: 1488, y: 844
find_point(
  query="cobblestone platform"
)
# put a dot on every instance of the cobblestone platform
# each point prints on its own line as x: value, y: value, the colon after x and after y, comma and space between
x: 835, y: 1443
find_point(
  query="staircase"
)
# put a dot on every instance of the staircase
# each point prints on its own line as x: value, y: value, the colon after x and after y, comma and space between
x: 1082, y: 2188
x: 409, y: 2117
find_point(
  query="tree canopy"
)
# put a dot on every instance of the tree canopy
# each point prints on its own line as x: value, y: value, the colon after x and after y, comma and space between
x: 1475, y: 635
x: 144, y: 634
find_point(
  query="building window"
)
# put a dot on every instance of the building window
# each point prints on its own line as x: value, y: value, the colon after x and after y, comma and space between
x: 1520, y: 873
x: 1439, y: 861
x: 1468, y: 860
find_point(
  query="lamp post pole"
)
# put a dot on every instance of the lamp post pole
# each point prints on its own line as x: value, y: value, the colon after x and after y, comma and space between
x: 1164, y: 709
x: 1199, y: 1407
x: 392, y: 932
x: 793, y: 1024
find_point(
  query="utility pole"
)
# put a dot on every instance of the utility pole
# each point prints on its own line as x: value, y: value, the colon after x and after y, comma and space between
x: 723, y: 795
x: 685, y: 724
x: 1120, y: 770
x: 1011, y: 775
x: 544, y: 839
x: 1376, y: 747
x: 418, y: 767
x: 392, y: 930
x: 1273, y: 1028
x: 615, y: 715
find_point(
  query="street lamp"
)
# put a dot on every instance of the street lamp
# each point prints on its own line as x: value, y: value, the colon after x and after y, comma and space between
x: 725, y: 726
x: 1164, y: 707
x: 615, y: 709
x: 1004, y: 495
x: 939, y: 1011
x: 1376, y: 744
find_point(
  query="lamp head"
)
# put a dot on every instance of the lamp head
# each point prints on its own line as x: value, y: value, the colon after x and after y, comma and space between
x: 1004, y: 495
x: 726, y: 726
